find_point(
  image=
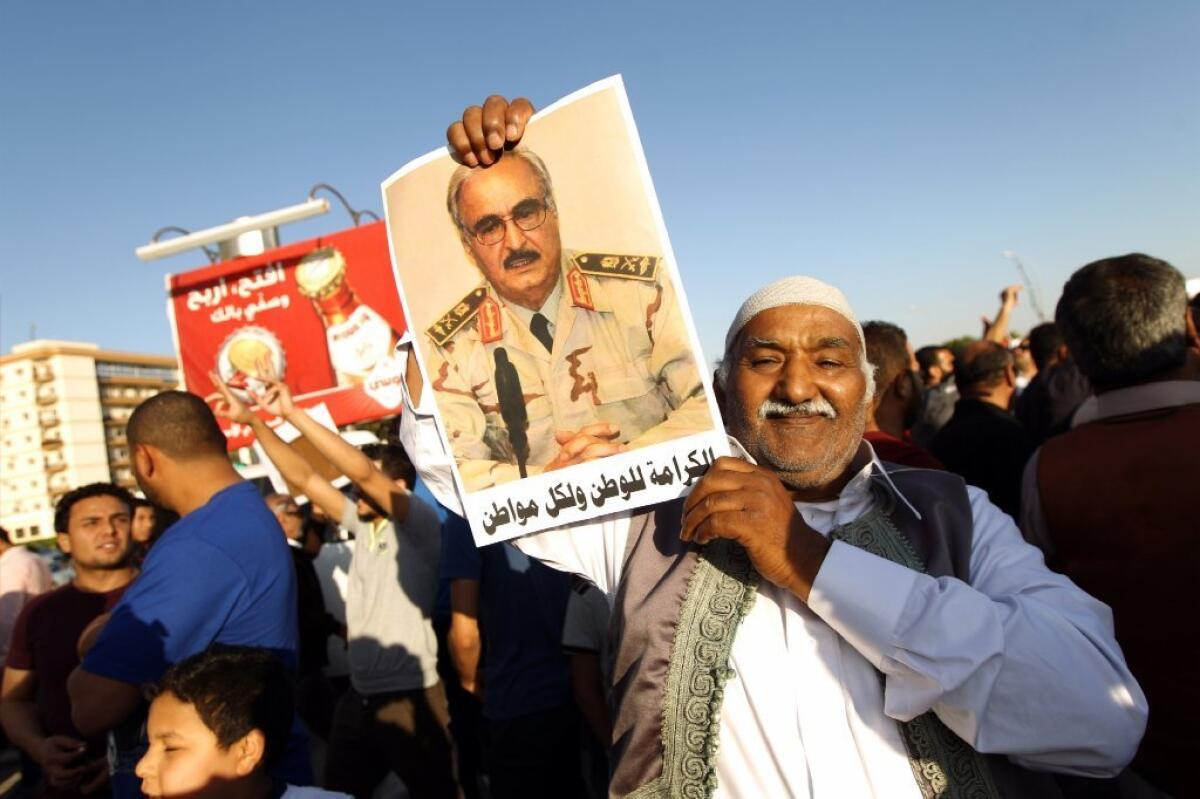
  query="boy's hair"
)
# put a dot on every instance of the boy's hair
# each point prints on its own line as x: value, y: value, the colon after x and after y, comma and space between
x: 236, y: 689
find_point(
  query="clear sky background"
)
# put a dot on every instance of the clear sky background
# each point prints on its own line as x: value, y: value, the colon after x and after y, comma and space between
x: 894, y: 149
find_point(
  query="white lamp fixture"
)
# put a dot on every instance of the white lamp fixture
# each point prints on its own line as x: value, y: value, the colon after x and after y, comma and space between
x: 231, y: 230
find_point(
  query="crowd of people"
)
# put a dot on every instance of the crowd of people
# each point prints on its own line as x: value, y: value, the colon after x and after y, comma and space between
x: 924, y: 572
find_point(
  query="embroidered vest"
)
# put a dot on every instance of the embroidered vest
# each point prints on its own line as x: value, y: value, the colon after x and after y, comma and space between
x: 677, y: 612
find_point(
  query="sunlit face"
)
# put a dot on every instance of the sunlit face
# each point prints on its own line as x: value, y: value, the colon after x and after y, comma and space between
x: 523, y: 266
x: 796, y: 398
x: 184, y: 758
x: 97, y: 534
x: 368, y: 509
x: 1024, y: 358
x: 143, y: 523
x: 945, y: 360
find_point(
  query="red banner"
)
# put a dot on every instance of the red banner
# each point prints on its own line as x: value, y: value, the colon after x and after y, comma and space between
x: 324, y: 312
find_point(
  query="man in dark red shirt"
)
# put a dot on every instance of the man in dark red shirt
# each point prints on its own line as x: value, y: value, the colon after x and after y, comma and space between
x: 93, y: 528
x: 897, y: 402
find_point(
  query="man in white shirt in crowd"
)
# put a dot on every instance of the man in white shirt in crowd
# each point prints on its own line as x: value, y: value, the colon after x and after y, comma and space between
x: 23, y: 575
x: 808, y: 623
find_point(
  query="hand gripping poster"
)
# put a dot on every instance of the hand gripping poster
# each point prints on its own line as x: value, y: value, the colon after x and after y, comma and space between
x: 550, y: 323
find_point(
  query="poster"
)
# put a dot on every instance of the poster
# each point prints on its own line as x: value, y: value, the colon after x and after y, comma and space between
x: 325, y: 313
x: 551, y: 323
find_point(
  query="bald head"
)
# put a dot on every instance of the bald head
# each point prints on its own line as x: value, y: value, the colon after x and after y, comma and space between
x: 179, y: 424
x: 982, y: 366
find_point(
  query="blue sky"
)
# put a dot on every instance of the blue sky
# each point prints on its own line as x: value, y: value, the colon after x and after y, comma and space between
x: 895, y: 149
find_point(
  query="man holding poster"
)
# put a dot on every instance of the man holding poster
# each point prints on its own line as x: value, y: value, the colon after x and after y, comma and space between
x: 809, y: 621
x: 558, y: 357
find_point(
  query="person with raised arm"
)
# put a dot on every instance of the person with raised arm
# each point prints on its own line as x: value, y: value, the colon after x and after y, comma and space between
x: 394, y: 716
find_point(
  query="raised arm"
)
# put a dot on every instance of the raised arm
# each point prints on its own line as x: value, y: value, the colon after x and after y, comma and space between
x: 298, y: 471
x: 997, y: 330
x: 277, y: 398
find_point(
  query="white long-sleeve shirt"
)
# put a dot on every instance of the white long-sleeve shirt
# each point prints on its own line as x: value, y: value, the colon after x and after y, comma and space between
x: 1017, y: 660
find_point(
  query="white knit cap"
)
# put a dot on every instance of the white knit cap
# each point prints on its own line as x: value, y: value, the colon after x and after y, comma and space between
x: 795, y: 290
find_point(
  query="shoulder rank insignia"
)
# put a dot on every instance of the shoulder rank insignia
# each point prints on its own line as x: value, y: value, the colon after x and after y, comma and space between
x: 633, y: 267
x: 490, y: 329
x: 581, y: 295
x: 443, y: 329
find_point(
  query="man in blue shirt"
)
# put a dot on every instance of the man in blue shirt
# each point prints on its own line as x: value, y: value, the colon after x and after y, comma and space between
x: 222, y: 574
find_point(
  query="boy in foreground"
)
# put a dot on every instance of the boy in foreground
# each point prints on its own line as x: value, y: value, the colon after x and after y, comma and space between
x: 217, y: 722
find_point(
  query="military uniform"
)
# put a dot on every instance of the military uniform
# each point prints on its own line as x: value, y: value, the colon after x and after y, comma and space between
x: 620, y: 354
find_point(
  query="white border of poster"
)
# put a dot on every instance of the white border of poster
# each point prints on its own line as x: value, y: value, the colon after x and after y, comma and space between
x: 623, y: 481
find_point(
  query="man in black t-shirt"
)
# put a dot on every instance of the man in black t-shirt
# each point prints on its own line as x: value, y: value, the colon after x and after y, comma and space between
x: 93, y: 525
x: 983, y: 442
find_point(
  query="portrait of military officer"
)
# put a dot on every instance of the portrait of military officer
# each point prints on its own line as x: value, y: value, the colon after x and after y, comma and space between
x: 556, y: 357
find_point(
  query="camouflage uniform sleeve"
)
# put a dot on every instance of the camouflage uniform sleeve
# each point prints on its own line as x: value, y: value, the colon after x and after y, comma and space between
x: 677, y: 372
x: 481, y: 451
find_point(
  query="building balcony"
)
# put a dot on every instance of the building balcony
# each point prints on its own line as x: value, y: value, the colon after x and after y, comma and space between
x: 52, y: 437
x: 156, y: 383
x: 42, y: 373
x: 121, y: 402
x: 46, y: 395
x: 53, y: 466
x: 116, y: 413
x: 48, y: 418
x: 125, y: 395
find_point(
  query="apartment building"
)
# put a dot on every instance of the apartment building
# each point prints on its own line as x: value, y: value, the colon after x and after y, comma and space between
x: 63, y: 408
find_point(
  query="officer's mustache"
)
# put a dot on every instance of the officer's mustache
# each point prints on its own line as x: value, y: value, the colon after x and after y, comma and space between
x: 517, y: 256
x: 774, y: 409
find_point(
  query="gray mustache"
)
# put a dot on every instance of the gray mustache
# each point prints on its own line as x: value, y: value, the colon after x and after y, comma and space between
x: 773, y: 409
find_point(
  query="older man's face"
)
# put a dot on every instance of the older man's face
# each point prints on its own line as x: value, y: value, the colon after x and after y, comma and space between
x: 523, y: 266
x: 796, y: 398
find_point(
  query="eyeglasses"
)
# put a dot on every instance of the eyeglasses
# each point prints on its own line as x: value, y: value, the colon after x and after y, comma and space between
x: 527, y: 215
